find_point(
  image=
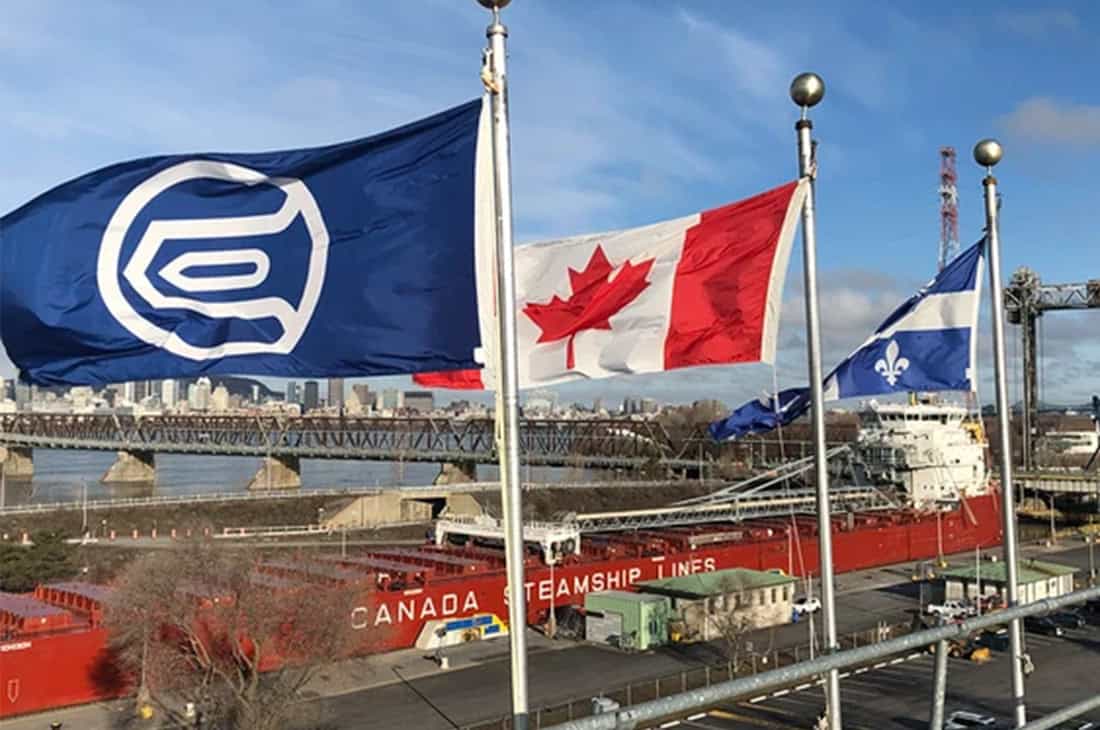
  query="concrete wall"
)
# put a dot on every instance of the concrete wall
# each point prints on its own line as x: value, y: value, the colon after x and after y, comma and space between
x: 757, y: 608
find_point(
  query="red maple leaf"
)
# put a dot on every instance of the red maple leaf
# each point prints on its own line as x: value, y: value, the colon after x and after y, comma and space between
x: 597, y: 295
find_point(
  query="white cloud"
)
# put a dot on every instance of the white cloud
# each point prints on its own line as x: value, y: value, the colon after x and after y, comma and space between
x: 1043, y: 119
x: 756, y: 67
x: 1041, y: 24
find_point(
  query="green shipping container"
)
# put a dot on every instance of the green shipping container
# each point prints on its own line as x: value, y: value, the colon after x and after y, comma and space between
x: 634, y: 621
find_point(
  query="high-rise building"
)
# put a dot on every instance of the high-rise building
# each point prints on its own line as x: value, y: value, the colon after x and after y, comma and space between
x: 255, y: 392
x: 362, y: 392
x: 81, y: 397
x: 419, y: 401
x: 23, y: 396
x: 293, y: 393
x: 198, y: 394
x: 129, y: 392
x: 311, y: 397
x: 169, y: 393
x: 219, y: 399
x: 336, y: 393
x: 392, y: 399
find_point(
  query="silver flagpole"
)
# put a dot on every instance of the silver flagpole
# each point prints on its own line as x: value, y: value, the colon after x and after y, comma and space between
x: 507, y: 365
x: 807, y: 90
x: 987, y: 153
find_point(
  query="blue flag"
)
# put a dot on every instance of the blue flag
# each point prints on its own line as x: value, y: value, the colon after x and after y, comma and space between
x: 348, y: 260
x: 762, y: 415
x: 928, y: 343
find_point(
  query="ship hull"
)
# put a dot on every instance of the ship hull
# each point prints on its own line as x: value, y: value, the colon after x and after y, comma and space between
x: 392, y: 620
x: 74, y: 667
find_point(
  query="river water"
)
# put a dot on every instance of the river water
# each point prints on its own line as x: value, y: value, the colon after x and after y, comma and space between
x: 61, y: 475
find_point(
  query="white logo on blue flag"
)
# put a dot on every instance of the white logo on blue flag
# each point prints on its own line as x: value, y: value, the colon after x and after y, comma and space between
x: 352, y: 259
x: 292, y: 319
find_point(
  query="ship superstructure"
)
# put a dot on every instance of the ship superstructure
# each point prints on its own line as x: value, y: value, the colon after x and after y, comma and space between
x: 933, y: 454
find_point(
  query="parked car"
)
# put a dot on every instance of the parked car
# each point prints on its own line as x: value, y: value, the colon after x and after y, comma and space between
x: 802, y: 605
x: 1068, y: 619
x: 1043, y: 625
x: 950, y: 609
x: 961, y: 719
x: 997, y: 640
x: 1091, y: 611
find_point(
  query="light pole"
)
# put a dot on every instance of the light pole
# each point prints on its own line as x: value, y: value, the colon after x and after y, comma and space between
x: 495, y: 78
x: 84, y: 508
x: 1091, y: 540
x: 987, y: 153
x: 978, y: 576
x: 807, y: 90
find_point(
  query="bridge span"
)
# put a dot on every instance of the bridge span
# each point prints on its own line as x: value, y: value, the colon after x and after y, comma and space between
x: 1060, y: 482
x: 459, y: 445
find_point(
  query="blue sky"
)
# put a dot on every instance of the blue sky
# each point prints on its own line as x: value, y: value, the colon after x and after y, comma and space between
x: 624, y: 112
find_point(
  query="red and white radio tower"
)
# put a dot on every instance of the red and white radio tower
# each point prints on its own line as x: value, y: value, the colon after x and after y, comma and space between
x: 949, y: 207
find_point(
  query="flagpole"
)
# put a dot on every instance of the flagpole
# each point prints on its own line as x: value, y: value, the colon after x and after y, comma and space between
x: 507, y: 371
x: 987, y: 153
x: 807, y: 90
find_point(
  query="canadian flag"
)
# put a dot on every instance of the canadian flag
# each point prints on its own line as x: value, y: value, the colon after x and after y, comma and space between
x: 704, y: 289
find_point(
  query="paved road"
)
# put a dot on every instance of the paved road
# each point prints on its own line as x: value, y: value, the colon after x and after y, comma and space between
x: 897, y: 695
x: 447, y: 701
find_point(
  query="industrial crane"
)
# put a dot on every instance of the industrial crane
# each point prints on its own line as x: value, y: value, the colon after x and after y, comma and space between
x: 1026, y: 299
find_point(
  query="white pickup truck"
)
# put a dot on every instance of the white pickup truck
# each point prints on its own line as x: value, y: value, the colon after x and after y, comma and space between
x: 950, y: 609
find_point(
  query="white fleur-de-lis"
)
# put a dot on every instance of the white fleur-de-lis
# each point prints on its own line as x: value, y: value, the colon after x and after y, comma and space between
x: 893, y: 366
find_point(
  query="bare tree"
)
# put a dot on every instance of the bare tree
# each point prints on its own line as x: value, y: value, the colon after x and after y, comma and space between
x: 730, y: 615
x: 201, y: 625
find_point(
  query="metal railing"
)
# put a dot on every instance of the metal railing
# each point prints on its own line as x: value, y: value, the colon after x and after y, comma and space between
x: 264, y: 494
x: 645, y: 689
x: 687, y: 702
x: 737, y: 509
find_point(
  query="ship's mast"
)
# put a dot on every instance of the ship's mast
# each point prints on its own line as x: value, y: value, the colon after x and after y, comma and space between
x: 949, y: 207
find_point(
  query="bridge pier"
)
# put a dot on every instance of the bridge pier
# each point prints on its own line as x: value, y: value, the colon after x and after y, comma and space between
x: 130, y: 467
x: 18, y: 461
x: 456, y: 472
x: 278, y: 472
x: 392, y: 506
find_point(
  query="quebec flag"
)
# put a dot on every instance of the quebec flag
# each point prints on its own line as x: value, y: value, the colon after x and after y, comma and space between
x: 928, y: 343
x: 348, y: 260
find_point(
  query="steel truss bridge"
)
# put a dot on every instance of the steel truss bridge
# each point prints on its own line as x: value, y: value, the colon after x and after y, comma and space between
x: 596, y: 443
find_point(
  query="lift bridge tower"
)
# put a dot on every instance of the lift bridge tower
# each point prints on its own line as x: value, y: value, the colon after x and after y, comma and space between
x: 1027, y: 298
x: 949, y: 207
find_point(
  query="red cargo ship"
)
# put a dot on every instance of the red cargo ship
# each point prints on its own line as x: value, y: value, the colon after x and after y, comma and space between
x: 422, y: 589
x: 54, y: 651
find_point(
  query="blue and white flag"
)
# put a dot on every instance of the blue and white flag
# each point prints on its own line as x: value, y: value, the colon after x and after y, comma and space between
x: 348, y: 260
x: 928, y: 343
x: 762, y: 415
